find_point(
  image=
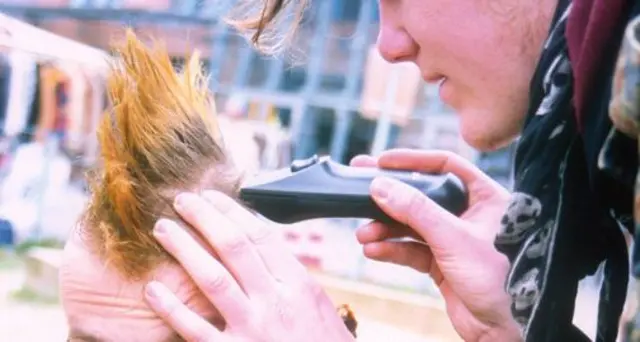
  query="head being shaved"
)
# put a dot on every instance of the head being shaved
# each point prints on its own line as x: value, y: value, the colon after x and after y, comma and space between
x: 159, y: 137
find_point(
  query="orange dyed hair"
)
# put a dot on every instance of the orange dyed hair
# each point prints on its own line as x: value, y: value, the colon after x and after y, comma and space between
x: 159, y: 137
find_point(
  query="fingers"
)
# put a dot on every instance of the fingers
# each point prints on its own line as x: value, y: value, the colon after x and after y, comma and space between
x: 364, y: 161
x: 378, y: 231
x: 256, y: 230
x: 432, y: 162
x: 406, y: 253
x: 279, y: 261
x: 423, y: 161
x: 231, y: 244
x: 479, y: 186
x: 210, y: 276
x: 408, y: 206
x: 185, y: 322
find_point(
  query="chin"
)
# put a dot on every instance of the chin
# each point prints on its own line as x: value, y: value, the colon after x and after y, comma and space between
x: 486, y: 138
x: 489, y: 125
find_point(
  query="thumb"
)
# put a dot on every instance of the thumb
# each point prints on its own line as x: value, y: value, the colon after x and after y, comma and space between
x: 410, y: 207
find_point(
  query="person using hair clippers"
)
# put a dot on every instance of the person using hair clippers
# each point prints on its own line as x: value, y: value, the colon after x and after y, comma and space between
x: 508, y: 268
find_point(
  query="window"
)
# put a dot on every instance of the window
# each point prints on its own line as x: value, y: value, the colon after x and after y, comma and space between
x: 349, y: 10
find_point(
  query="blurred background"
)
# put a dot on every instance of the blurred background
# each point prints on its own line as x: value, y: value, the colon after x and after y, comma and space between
x: 332, y: 95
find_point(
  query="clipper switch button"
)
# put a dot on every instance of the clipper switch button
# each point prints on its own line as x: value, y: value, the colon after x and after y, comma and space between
x: 301, y: 164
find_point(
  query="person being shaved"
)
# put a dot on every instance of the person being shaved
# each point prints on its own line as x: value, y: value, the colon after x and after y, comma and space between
x: 159, y: 138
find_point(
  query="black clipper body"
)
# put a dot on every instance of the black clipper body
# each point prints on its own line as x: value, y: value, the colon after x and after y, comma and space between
x: 319, y: 187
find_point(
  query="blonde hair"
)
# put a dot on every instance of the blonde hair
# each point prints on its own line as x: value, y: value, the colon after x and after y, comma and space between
x: 159, y: 137
x: 263, y: 20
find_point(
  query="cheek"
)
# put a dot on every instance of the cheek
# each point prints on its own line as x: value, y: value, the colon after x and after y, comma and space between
x: 462, y: 39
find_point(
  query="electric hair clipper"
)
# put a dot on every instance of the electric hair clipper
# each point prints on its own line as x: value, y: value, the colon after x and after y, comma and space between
x: 321, y: 188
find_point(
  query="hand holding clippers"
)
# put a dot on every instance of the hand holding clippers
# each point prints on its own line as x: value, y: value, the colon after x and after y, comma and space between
x: 319, y: 187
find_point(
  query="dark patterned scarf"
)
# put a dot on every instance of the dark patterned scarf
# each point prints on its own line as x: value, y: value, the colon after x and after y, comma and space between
x: 567, y: 210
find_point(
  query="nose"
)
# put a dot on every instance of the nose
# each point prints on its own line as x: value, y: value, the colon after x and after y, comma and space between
x: 396, y: 45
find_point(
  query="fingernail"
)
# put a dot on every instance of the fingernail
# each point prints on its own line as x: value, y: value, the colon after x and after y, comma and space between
x: 380, y: 187
x: 163, y: 226
x: 184, y: 200
x: 158, y: 296
x: 153, y: 289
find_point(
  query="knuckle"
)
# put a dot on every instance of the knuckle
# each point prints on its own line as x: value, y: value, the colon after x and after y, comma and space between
x: 281, y: 308
x: 285, y: 315
x: 415, y: 208
x: 263, y: 235
x: 216, y: 283
x: 448, y: 154
x: 233, y: 245
x: 416, y: 203
x: 405, y: 198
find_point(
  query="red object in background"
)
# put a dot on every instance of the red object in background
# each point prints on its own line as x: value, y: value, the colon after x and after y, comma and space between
x: 310, y: 261
x: 6, y: 153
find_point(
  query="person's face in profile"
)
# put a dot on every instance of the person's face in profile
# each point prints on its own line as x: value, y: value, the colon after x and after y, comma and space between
x: 483, y: 52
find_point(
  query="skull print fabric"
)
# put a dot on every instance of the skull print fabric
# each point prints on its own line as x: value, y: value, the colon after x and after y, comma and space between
x: 521, y: 216
x: 557, y: 229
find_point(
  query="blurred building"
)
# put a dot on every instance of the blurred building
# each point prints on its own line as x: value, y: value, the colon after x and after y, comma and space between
x: 316, y: 95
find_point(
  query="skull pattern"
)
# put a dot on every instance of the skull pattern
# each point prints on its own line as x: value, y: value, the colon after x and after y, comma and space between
x: 525, y: 291
x: 519, y: 217
x: 538, y: 246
